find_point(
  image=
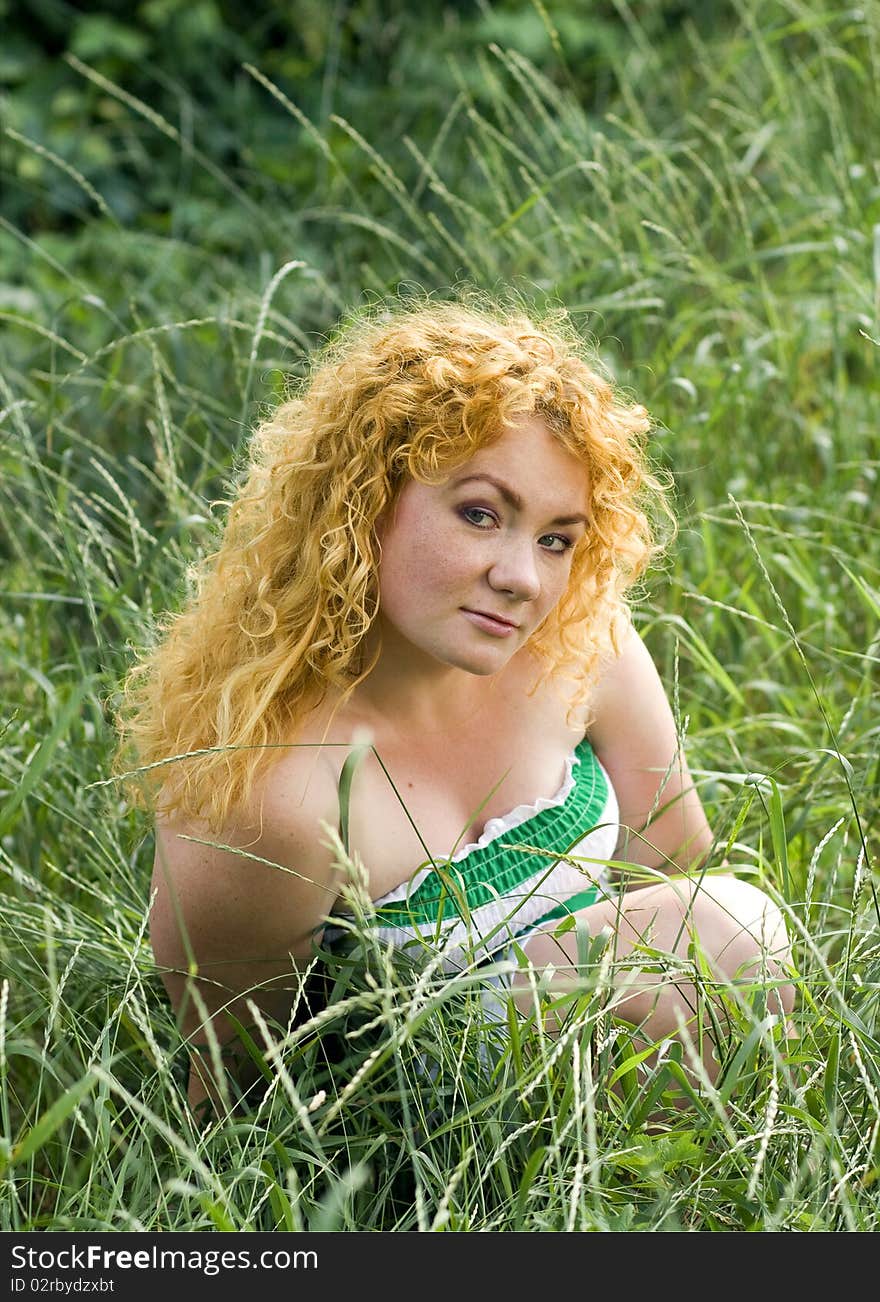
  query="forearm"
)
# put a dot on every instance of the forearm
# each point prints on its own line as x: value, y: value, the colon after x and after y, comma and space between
x: 675, y: 842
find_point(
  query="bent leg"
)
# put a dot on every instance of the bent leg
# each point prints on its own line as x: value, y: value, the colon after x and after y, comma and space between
x: 673, y: 946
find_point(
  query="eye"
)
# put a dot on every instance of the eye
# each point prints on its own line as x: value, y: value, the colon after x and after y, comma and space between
x: 560, y: 538
x: 469, y: 512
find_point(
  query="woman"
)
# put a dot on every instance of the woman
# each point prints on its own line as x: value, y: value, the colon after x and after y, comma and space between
x: 430, y: 555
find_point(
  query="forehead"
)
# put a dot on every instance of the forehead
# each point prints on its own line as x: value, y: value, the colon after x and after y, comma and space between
x: 532, y: 461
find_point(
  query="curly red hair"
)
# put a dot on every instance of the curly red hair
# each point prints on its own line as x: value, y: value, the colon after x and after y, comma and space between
x: 279, y: 612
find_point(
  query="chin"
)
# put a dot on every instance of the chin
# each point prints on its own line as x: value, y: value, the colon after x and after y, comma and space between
x: 479, y: 666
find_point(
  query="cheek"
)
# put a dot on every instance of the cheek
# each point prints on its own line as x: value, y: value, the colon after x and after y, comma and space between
x: 556, y: 584
x: 411, y: 569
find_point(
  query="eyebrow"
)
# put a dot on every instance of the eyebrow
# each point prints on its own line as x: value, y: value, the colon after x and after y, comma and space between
x: 513, y: 499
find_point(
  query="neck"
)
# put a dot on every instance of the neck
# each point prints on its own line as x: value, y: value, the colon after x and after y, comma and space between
x: 417, y: 694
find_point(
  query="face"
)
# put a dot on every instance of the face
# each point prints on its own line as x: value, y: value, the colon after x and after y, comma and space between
x: 472, y: 566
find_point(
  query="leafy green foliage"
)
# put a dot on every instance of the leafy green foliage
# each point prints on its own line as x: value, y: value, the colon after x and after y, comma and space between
x: 193, y: 194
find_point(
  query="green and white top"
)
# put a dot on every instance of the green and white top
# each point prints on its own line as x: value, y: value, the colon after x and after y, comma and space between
x: 534, y: 864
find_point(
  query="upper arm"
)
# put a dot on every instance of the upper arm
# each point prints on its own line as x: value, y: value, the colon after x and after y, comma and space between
x: 236, y: 923
x: 634, y: 735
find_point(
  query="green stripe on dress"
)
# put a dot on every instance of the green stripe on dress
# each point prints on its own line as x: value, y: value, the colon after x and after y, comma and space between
x: 582, y: 900
x: 456, y: 889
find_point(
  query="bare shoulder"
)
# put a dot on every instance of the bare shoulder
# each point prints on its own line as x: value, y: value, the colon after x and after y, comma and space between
x: 266, y: 879
x: 635, y: 734
x: 627, y: 686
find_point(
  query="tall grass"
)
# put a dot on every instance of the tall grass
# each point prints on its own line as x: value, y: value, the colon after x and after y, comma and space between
x: 715, y: 230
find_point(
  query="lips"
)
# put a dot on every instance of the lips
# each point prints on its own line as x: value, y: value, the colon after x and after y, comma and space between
x: 499, y: 619
x: 496, y: 624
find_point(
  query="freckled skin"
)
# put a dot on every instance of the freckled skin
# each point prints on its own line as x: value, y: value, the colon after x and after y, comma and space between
x: 447, y: 548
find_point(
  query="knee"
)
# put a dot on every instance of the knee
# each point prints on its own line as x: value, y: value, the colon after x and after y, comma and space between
x: 743, y: 932
x: 746, y: 912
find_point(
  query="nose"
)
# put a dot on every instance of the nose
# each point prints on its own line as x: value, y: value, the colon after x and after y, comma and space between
x: 514, y: 570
